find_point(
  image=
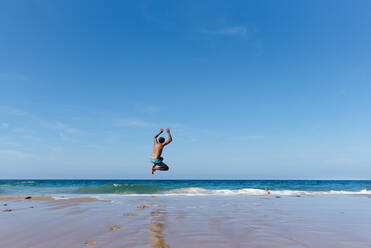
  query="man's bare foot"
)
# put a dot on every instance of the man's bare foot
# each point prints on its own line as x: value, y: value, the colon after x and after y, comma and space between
x: 153, y: 169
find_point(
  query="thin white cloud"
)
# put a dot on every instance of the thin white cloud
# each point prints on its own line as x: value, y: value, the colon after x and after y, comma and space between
x: 72, y: 130
x: 60, y: 127
x: 53, y: 125
x: 68, y: 138
x: 5, y: 142
x: 231, y: 31
x: 15, y: 153
x: 56, y: 125
x: 12, y: 111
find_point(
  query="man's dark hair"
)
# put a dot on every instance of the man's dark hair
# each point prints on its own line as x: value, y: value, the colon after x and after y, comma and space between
x: 161, y: 140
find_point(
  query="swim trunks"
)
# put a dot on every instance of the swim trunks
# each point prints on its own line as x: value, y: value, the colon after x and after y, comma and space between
x: 158, y: 162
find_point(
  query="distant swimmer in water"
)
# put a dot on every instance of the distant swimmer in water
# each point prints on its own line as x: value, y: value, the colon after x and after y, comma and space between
x: 267, y: 191
x: 158, y: 146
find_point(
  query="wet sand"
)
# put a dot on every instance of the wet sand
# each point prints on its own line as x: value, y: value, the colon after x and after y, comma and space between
x: 26, y: 197
x: 186, y: 221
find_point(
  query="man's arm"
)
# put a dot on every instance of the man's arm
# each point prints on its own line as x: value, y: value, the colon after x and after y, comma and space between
x: 169, y: 139
x: 155, y: 138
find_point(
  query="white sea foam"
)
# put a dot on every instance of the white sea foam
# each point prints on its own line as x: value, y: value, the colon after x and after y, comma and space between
x: 55, y: 197
x: 25, y: 182
x: 73, y: 196
x: 252, y: 191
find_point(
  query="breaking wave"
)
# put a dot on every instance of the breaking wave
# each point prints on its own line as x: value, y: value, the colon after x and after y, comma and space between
x: 128, y: 189
x: 252, y: 191
x: 186, y: 187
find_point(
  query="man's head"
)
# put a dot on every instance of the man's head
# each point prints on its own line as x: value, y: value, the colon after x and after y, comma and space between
x: 161, y: 139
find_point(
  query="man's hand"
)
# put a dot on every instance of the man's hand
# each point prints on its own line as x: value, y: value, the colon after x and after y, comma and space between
x: 170, y: 138
x: 162, y: 130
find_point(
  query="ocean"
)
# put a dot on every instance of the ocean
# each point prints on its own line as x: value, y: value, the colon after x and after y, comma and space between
x: 185, y: 187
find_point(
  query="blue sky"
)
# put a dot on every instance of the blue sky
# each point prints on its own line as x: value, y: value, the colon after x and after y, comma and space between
x: 250, y: 89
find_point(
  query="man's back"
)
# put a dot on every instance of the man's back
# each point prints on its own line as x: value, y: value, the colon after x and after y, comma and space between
x: 157, y: 150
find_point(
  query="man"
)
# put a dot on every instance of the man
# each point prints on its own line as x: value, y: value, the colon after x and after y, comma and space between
x: 158, y: 146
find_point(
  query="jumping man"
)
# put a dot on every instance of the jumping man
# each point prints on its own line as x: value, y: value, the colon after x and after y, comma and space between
x: 158, y: 146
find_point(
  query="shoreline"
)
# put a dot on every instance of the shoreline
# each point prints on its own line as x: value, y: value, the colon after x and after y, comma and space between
x: 325, y: 221
x: 33, y: 197
x: 55, y: 197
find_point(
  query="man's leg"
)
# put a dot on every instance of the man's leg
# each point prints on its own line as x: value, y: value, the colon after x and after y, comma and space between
x: 162, y: 167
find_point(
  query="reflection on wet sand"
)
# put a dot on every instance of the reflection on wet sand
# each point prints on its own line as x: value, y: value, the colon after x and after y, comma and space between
x: 156, y: 228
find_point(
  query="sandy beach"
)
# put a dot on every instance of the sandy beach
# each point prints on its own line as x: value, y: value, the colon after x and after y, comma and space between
x: 186, y: 221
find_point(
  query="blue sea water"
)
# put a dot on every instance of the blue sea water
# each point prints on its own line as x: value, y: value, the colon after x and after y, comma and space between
x: 185, y: 187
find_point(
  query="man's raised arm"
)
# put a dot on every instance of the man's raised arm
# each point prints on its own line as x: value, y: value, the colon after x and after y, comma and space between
x: 170, y: 138
x: 155, y: 138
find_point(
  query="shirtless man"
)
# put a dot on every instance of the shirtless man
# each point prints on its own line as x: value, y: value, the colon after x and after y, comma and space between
x: 158, y: 146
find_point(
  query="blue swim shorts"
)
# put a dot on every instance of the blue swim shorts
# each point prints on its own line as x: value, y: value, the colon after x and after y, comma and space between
x: 158, y: 162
